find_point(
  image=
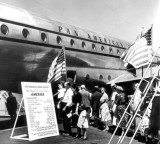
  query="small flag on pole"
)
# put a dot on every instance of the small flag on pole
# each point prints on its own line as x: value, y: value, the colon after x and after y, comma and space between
x: 58, y: 67
x: 140, y: 53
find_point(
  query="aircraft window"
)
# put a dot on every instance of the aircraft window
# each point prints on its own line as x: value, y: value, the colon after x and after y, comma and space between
x: 118, y: 52
x: 100, y: 77
x: 102, y: 48
x: 110, y: 50
x: 105, y: 40
x: 109, y: 77
x: 83, y: 44
x: 72, y: 42
x: 59, y: 40
x: 87, y: 76
x: 25, y: 33
x: 44, y: 37
x: 93, y: 47
x: 4, y: 29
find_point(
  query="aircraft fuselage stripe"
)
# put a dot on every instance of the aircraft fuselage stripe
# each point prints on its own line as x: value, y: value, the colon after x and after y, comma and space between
x: 54, y: 46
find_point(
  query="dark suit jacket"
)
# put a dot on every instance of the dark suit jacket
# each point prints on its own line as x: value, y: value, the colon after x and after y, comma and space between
x: 11, y: 105
x: 95, y: 100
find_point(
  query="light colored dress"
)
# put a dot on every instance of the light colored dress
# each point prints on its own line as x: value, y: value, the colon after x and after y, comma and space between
x: 104, y: 109
x: 82, y: 120
x: 136, y: 100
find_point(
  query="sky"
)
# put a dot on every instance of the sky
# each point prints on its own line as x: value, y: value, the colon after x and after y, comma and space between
x: 122, y: 19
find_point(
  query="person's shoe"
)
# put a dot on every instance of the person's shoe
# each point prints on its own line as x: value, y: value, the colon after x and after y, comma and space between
x: 63, y: 133
x: 80, y: 138
x: 84, y: 138
x: 77, y: 136
x: 66, y: 134
x: 106, y: 129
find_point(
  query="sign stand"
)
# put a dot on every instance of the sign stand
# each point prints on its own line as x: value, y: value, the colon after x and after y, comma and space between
x: 23, y: 136
x: 39, y: 110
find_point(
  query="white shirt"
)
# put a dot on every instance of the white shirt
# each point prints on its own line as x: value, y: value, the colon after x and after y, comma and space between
x: 113, y: 95
x: 68, y: 97
x: 61, y: 93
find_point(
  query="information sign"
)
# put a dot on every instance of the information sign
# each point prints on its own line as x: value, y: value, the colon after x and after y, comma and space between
x: 40, y: 110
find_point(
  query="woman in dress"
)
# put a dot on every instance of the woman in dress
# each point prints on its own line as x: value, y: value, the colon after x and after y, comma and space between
x: 104, y: 110
x: 83, y: 123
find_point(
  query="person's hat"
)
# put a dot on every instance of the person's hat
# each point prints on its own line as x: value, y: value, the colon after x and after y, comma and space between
x: 113, y: 84
x: 135, y: 84
x: 96, y: 87
x: 66, y: 83
x: 83, y: 86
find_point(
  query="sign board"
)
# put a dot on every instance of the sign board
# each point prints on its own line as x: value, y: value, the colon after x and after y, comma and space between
x: 40, y: 110
x: 3, y: 101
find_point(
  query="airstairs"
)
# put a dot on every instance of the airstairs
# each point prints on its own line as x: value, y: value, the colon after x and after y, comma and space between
x: 144, y: 85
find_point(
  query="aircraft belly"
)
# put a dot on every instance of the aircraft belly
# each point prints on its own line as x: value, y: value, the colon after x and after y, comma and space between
x: 82, y: 59
x: 28, y: 62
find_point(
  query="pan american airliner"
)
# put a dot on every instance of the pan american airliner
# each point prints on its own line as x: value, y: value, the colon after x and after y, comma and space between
x: 29, y: 43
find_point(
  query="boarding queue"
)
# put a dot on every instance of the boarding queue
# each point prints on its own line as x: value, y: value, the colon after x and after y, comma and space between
x: 77, y: 107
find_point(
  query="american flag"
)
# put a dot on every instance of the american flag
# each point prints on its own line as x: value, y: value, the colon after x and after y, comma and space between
x: 58, y: 67
x: 140, y: 53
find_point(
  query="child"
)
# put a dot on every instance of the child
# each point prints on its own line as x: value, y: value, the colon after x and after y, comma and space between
x: 83, y: 123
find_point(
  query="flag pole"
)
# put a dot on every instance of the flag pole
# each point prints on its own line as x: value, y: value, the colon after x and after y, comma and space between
x: 152, y: 50
x: 152, y: 47
x: 65, y: 59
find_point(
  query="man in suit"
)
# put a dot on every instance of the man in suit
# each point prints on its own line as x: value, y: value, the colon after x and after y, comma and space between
x: 95, y: 103
x: 11, y: 105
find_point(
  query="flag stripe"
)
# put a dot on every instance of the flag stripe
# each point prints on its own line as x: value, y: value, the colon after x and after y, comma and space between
x: 140, y: 53
x: 141, y: 60
x: 142, y: 49
x: 58, y: 67
x: 140, y: 57
x: 132, y: 49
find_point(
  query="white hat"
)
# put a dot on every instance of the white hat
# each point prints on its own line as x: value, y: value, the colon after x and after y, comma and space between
x: 83, y: 86
x: 66, y: 83
x: 113, y: 84
x: 135, y: 84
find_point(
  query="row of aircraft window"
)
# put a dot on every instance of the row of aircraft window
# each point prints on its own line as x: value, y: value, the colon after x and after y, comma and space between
x: 25, y: 33
x: 100, y: 77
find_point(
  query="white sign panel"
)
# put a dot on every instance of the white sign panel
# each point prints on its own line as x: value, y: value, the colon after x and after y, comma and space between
x: 40, y: 111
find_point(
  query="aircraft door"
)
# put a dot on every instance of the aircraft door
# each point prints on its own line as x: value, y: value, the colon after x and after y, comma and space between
x: 71, y: 76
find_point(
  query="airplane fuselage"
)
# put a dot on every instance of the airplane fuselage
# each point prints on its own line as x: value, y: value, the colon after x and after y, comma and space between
x: 29, y: 44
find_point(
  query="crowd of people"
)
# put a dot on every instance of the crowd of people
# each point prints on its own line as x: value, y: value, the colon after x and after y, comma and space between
x: 78, y: 107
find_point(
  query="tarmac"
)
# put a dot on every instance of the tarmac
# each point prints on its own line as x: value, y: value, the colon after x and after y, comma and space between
x: 94, y: 135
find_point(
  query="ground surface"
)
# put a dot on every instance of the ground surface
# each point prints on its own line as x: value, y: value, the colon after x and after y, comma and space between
x: 95, y: 136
